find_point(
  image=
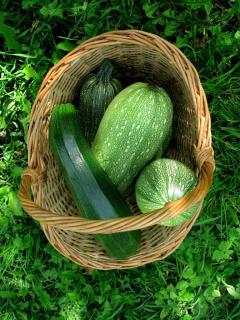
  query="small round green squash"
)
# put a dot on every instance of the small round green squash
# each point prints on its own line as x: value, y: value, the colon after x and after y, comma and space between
x: 161, y: 181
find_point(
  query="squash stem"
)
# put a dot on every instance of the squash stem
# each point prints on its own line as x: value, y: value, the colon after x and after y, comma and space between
x: 105, y: 71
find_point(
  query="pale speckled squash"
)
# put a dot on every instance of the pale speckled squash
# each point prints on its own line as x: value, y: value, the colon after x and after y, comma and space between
x: 161, y: 181
x: 96, y: 93
x: 132, y: 130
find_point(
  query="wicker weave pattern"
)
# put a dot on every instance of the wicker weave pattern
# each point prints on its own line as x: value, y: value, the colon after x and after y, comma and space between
x: 142, y: 55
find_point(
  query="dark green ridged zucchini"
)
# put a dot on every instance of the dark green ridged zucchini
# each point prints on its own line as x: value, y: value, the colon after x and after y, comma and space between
x: 96, y: 93
x: 94, y: 194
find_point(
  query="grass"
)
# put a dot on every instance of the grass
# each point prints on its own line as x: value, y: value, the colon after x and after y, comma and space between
x: 201, y: 279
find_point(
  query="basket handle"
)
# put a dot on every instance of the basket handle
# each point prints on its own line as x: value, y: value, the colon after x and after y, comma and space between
x: 83, y: 225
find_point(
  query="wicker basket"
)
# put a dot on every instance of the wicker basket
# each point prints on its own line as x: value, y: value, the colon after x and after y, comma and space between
x: 139, y: 55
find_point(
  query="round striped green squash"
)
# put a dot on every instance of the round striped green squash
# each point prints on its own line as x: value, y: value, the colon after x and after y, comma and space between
x: 131, y: 132
x: 161, y: 181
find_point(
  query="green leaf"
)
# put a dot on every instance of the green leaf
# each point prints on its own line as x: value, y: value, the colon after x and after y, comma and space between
x: 150, y: 27
x: 170, y: 28
x: 116, y: 300
x: 27, y: 4
x: 218, y: 255
x: 188, y: 273
x: 225, y: 245
x: 77, y: 8
x: 216, y: 293
x: 232, y: 291
x: 150, y: 9
x: 22, y: 315
x: 232, y: 131
x: 25, y: 122
x: 52, y: 9
x: 26, y: 106
x: 237, y: 35
x: 234, y: 215
x: 44, y: 297
x: 3, y: 124
x: 7, y: 294
x: 182, y: 285
x: 4, y: 191
x: 180, y: 42
x: 169, y: 13
x: 228, y: 272
x: 223, y: 251
x: 14, y: 203
x: 30, y: 73
x: 170, y: 287
x: 228, y: 39
x: 185, y: 296
x: 216, y: 30
x: 196, y: 281
x: 66, y: 46
x: 27, y: 242
x: 9, y: 35
x: 16, y: 171
x: 165, y: 312
x: 172, y: 295
x: 72, y: 296
x: 90, y: 29
x: 208, y: 7
x: 197, y: 4
x: 57, y: 56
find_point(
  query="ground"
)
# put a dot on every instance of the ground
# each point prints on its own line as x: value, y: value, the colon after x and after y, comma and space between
x: 201, y: 279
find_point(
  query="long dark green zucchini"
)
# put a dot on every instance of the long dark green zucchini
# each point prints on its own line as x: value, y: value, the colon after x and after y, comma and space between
x: 95, y: 195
